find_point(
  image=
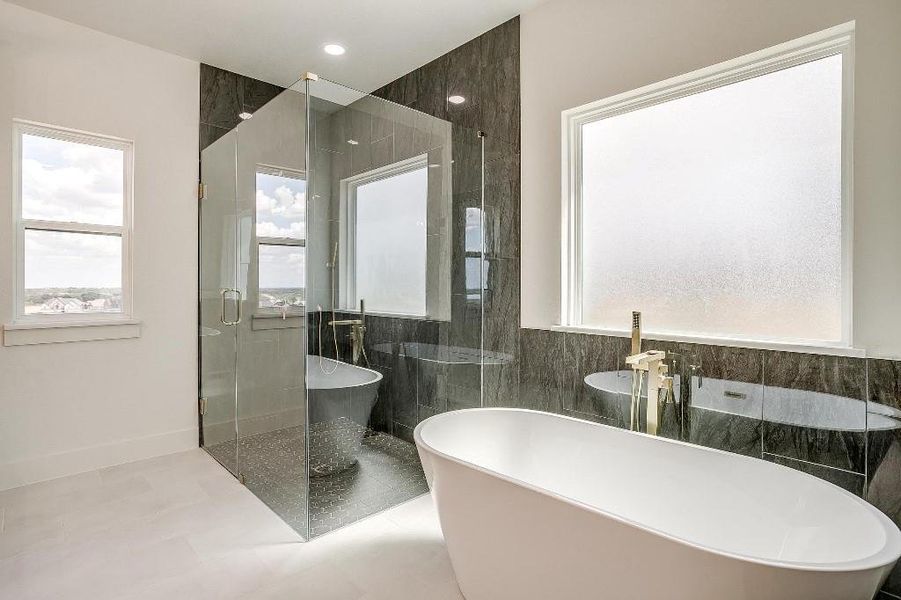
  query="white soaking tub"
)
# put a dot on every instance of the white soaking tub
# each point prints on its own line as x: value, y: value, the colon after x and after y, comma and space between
x: 536, y: 506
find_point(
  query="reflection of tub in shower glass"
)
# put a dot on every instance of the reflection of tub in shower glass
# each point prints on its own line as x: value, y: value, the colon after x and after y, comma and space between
x: 800, y: 408
x: 341, y: 397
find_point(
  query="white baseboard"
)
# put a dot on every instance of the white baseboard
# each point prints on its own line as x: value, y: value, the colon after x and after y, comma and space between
x: 72, y: 462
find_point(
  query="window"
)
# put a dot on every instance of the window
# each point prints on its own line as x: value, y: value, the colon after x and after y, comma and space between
x: 281, y: 238
x: 476, y: 270
x: 73, y: 221
x: 718, y: 203
x: 385, y: 251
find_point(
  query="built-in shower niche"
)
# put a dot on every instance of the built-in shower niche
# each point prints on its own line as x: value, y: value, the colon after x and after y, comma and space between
x: 324, y: 198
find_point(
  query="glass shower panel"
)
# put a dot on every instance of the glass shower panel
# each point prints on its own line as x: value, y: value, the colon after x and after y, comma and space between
x: 218, y: 302
x: 394, y: 219
x: 314, y: 212
x: 272, y: 234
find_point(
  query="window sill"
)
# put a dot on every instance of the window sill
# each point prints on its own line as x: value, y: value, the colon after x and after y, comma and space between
x: 389, y: 315
x: 715, y: 341
x: 275, y: 320
x: 54, y: 332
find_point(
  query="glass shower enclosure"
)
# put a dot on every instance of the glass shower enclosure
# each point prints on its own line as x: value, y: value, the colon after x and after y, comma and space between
x: 342, y: 276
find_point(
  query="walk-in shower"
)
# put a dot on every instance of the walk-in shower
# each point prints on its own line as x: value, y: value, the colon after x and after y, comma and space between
x: 326, y: 199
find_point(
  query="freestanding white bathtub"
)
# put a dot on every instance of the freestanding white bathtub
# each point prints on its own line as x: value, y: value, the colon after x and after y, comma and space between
x: 539, y: 506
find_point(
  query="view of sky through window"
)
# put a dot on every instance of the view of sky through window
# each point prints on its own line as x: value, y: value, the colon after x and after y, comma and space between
x: 71, y: 182
x: 281, y: 215
x: 281, y: 206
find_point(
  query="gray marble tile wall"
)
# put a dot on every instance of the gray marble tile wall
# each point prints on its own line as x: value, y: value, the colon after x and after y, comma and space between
x: 223, y: 96
x: 485, y: 71
x: 837, y: 418
x: 408, y: 352
x: 417, y: 383
x: 883, y: 446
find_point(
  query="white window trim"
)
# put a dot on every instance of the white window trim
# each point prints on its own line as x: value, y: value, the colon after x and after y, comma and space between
x: 837, y: 40
x: 261, y: 311
x: 48, y: 328
x: 348, y: 233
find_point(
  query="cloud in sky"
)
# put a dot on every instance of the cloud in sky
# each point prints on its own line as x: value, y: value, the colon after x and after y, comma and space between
x: 71, y: 182
x: 281, y: 213
x: 281, y: 206
x: 269, y: 229
x: 61, y: 259
x: 281, y: 266
x: 283, y: 202
x: 66, y: 181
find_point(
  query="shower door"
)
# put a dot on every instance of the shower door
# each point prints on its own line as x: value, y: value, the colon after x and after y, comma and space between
x: 220, y: 305
x: 252, y: 315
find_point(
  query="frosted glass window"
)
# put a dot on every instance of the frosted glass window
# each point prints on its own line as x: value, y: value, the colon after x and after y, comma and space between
x: 719, y: 213
x: 476, y: 268
x: 390, y: 243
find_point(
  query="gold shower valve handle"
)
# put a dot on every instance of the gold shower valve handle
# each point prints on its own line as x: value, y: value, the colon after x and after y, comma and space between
x: 643, y: 361
x: 653, y: 363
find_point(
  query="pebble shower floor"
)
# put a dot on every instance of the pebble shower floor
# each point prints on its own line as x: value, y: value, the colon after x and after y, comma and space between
x: 387, y: 473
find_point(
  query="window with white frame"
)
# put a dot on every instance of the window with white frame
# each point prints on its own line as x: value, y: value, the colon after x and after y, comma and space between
x: 384, y: 250
x: 717, y: 203
x: 281, y: 238
x: 476, y: 267
x: 72, y: 195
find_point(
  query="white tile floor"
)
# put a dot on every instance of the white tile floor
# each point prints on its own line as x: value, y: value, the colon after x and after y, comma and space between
x: 180, y: 526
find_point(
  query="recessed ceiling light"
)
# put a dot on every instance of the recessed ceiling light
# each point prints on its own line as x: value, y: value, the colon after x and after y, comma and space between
x: 353, y: 142
x: 456, y: 99
x: 334, y: 49
x: 245, y: 115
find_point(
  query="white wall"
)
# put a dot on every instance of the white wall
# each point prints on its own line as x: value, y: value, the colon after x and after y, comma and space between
x: 576, y: 51
x: 71, y: 407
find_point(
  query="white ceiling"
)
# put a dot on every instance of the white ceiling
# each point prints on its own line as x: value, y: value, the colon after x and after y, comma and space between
x: 278, y: 40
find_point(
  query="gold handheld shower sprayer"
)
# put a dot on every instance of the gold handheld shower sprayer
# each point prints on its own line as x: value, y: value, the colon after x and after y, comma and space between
x: 636, y: 332
x: 653, y: 363
x: 634, y: 408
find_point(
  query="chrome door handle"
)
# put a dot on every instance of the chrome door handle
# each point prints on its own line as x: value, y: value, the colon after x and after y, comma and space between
x: 222, y: 294
x: 240, y: 310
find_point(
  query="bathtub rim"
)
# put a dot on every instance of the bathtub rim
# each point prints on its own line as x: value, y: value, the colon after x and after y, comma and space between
x: 887, y: 555
x: 377, y: 376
